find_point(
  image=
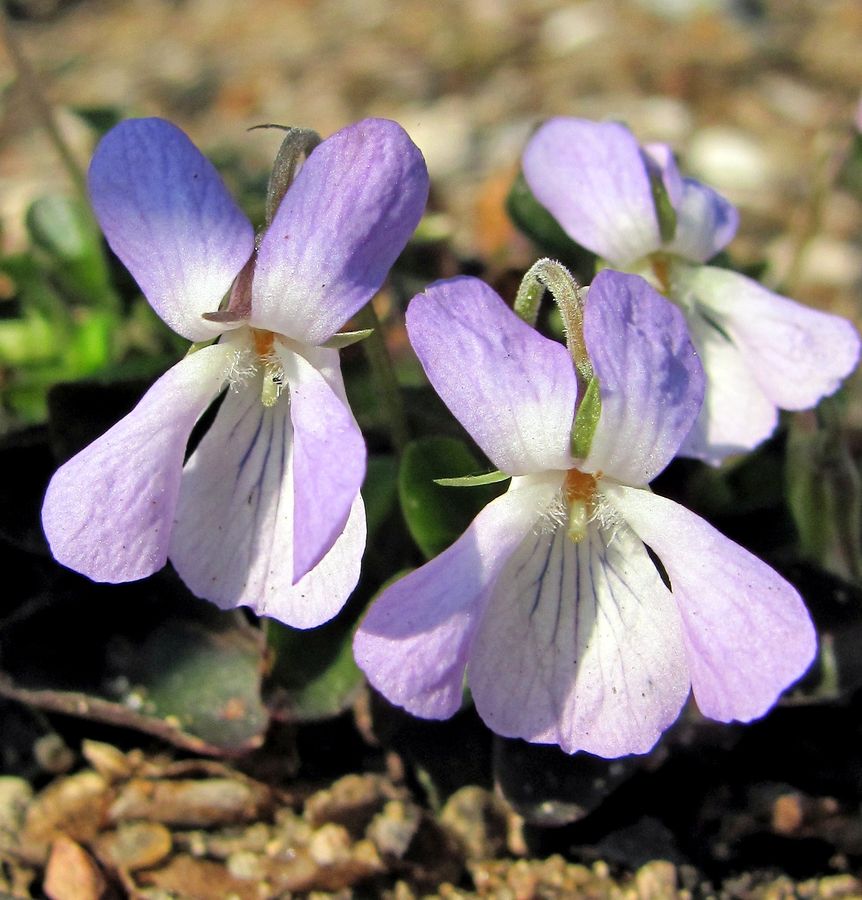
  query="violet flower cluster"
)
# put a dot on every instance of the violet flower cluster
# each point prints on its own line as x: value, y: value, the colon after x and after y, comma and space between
x: 549, y: 606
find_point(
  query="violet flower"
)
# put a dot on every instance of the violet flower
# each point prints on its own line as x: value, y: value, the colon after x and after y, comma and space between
x: 549, y: 600
x: 266, y: 512
x: 761, y: 352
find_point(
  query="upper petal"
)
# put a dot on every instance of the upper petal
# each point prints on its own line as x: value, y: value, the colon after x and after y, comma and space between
x: 339, y: 228
x: 796, y: 354
x: 705, y: 221
x: 747, y: 633
x: 592, y: 177
x: 511, y: 388
x: 328, y: 463
x: 650, y: 377
x: 108, y: 511
x: 414, y: 642
x: 234, y: 534
x: 580, y: 646
x: 168, y: 216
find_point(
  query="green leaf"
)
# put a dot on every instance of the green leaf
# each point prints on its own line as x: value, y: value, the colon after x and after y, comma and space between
x: 435, y: 515
x: 587, y: 420
x: 824, y: 491
x: 379, y: 490
x: 66, y: 233
x: 473, y: 480
x: 313, y: 675
x: 544, y: 230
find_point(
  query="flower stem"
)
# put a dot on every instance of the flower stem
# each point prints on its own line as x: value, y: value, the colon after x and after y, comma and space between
x: 30, y: 82
x: 383, y: 377
x: 555, y: 277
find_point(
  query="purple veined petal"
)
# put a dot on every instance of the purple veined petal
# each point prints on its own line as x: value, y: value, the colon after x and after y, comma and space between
x: 328, y: 462
x: 650, y: 377
x: 580, y: 646
x: 796, y: 354
x: 592, y: 178
x: 511, y: 388
x: 169, y: 218
x: 338, y: 230
x: 747, y: 633
x: 108, y: 511
x: 414, y: 642
x: 233, y: 539
x: 736, y: 415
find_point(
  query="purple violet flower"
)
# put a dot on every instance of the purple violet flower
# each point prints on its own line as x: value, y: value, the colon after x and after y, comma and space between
x: 266, y: 512
x: 549, y: 600
x: 761, y: 352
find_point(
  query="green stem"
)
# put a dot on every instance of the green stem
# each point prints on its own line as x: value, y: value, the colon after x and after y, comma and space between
x: 30, y: 81
x: 383, y: 377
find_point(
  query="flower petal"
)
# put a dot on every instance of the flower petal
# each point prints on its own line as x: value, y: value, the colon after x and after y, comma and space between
x: 650, y: 378
x: 511, y: 388
x: 108, y: 511
x: 592, y: 178
x: 328, y: 463
x: 736, y: 415
x: 168, y: 216
x: 233, y: 539
x: 580, y: 646
x: 796, y: 354
x: 414, y: 642
x: 747, y: 633
x: 339, y: 228
x: 705, y: 221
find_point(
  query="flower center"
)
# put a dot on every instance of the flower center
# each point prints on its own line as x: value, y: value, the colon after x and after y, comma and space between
x: 270, y: 365
x: 580, y: 492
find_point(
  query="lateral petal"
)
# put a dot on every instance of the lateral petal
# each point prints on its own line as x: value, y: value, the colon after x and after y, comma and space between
x: 169, y: 218
x: 328, y: 463
x: 592, y: 178
x: 650, y: 378
x: 511, y: 388
x: 338, y: 230
x: 234, y: 533
x: 414, y: 642
x: 580, y: 645
x: 109, y: 510
x: 747, y: 633
x: 736, y: 415
x: 796, y: 354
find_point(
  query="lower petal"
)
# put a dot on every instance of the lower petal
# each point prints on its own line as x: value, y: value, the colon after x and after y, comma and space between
x: 328, y: 463
x: 747, y: 633
x: 414, y: 642
x: 580, y: 646
x: 108, y: 511
x: 233, y: 539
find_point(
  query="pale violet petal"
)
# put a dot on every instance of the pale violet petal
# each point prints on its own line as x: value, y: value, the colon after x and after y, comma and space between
x: 580, y: 646
x: 328, y: 462
x: 414, y: 642
x: 747, y: 633
x: 511, y: 388
x: 650, y: 378
x: 592, y: 178
x: 796, y: 354
x: 705, y: 222
x: 108, y: 511
x: 233, y: 539
x: 338, y: 230
x: 736, y: 415
x: 169, y: 218
x: 661, y: 157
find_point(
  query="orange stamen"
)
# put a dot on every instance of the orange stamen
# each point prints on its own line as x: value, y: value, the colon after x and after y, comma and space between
x: 263, y: 342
